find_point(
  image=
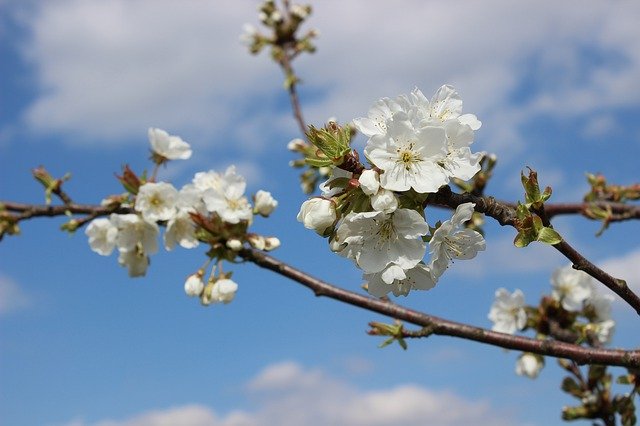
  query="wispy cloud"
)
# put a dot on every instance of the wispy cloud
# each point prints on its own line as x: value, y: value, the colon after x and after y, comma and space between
x: 626, y: 267
x: 108, y: 69
x: 291, y: 395
x: 12, y: 297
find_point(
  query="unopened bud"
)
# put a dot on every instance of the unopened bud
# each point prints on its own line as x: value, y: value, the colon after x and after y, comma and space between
x: 264, y: 203
x: 271, y: 243
x: 224, y: 290
x: 194, y: 286
x: 234, y: 244
x: 256, y: 241
x: 296, y: 145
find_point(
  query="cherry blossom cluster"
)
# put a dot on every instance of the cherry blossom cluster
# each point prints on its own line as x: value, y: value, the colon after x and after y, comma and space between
x: 376, y: 216
x: 574, y: 305
x: 211, y: 209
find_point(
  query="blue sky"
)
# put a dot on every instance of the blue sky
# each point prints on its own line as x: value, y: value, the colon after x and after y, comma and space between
x: 555, y: 85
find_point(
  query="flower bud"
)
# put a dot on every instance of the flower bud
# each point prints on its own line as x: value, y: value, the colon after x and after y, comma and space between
x: 256, y: 241
x: 529, y: 365
x: 271, y: 243
x: 317, y: 214
x: 194, y: 286
x: 224, y: 290
x: 234, y: 244
x: 265, y: 204
x: 369, y: 182
x: 384, y: 201
x: 296, y: 145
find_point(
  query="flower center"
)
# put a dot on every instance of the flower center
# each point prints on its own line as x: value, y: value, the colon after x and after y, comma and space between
x: 156, y: 200
x: 386, y: 231
x: 454, y: 249
x: 407, y: 156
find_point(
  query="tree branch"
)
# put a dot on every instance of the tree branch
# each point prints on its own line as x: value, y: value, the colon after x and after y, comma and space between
x: 502, y: 213
x: 505, y: 215
x: 622, y: 210
x: 445, y: 327
x: 28, y: 211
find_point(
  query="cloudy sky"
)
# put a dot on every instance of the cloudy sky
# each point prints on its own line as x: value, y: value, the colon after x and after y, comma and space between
x: 555, y: 84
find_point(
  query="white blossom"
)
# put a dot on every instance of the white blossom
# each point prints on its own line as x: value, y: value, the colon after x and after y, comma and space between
x: 410, y: 158
x: 571, y: 288
x: 445, y: 106
x: 507, y: 312
x: 460, y: 162
x: 453, y: 241
x: 157, y: 201
x: 190, y: 199
x: 167, y: 146
x: 224, y: 290
x: 181, y: 230
x: 529, y: 365
x: 399, y: 281
x: 376, y: 239
x: 206, y: 180
x: 135, y: 233
x: 376, y: 121
x: 600, y: 305
x: 226, y: 197
x: 193, y: 285
x: 604, y: 331
x: 136, y: 261
x: 264, y: 203
x: 444, y: 110
x: 102, y: 236
x: 317, y: 214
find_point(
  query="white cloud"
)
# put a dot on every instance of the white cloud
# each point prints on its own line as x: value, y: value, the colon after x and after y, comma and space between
x: 12, y: 297
x: 291, y: 395
x: 626, y: 267
x: 109, y: 69
x: 600, y: 126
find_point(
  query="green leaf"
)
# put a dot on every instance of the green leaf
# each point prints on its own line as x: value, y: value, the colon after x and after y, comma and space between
x: 549, y: 236
x: 318, y: 162
x: 386, y: 342
x: 521, y: 240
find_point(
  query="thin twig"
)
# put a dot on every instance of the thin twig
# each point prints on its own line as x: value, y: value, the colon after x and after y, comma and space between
x: 285, y: 63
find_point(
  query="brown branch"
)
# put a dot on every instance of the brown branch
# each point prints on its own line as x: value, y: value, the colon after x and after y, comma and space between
x: 505, y: 215
x: 27, y: 211
x: 445, y: 327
